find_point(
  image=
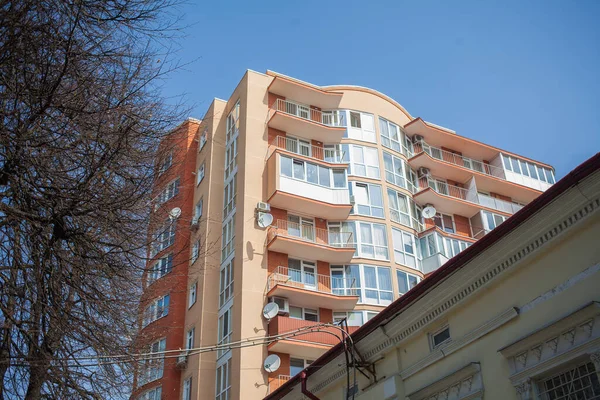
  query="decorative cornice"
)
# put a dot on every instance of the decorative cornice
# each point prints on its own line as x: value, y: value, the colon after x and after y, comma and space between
x: 481, y: 280
x: 462, y: 384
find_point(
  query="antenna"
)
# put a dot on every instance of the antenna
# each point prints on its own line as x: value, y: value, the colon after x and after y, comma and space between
x: 264, y: 219
x: 270, y: 311
x: 429, y: 211
x: 272, y: 363
x: 175, y: 213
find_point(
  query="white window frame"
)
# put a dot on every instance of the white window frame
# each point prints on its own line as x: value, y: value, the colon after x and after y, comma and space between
x: 186, y: 393
x: 190, y: 338
x: 360, y: 243
x: 376, y: 211
x: 365, y: 316
x: 164, y: 237
x: 528, y: 169
x: 156, y: 310
x: 397, y: 214
x: 371, y: 170
x: 229, y: 197
x: 402, y: 240
x: 381, y: 300
x: 305, y: 363
x: 165, y: 163
x: 331, y: 172
x: 203, y: 139
x: 200, y: 175
x: 224, y: 328
x: 195, y: 251
x: 385, y: 128
x: 495, y: 218
x: 432, y: 335
x: 192, y: 294
x: 297, y: 145
x: 160, y: 268
x: 170, y: 191
x: 198, y: 210
x: 152, y: 394
x: 444, y: 226
x: 307, y: 273
x: 228, y: 237
x: 366, y: 132
x: 304, y: 311
x: 400, y: 174
x: 405, y: 277
x: 223, y: 380
x: 152, y: 369
x: 226, y: 281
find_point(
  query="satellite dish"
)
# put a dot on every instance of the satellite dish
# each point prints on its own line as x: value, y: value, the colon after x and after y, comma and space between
x: 429, y: 211
x: 270, y: 311
x: 264, y: 219
x: 175, y: 213
x: 272, y: 363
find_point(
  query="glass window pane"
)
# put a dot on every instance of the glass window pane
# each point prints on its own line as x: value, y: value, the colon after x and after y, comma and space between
x: 385, y: 278
x: 298, y: 169
x: 286, y: 166
x: 295, y: 312
x: 324, y: 177
x: 515, y: 165
x: 339, y: 178
x: 311, y: 173
x: 532, y: 171
x: 524, y: 170
x: 370, y: 277
x: 412, y: 281
x: 402, y: 282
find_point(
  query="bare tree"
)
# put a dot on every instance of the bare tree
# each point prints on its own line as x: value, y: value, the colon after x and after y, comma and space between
x: 81, y: 122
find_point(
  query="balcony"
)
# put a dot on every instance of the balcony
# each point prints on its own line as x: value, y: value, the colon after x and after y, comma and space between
x: 313, y: 290
x: 489, y: 178
x: 465, y: 202
x: 304, y: 92
x: 303, y: 241
x: 321, y: 191
x: 277, y: 381
x: 309, y: 344
x: 325, y: 155
x: 306, y: 122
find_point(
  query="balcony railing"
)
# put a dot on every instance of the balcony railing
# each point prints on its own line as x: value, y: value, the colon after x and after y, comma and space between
x: 311, y: 281
x: 329, y: 118
x: 320, y: 153
x: 471, y: 196
x: 309, y: 233
x: 278, y: 381
x: 461, y: 161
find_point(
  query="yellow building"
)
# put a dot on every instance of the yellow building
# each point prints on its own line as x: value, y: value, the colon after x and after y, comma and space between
x: 515, y: 316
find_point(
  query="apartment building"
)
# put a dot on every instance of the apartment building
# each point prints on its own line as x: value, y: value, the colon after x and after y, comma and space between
x: 331, y: 202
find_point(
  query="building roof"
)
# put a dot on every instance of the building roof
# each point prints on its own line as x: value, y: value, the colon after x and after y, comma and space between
x: 462, y: 259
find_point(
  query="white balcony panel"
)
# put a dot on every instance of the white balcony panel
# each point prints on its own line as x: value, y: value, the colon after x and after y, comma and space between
x: 433, y: 262
x: 526, y: 181
x: 319, y: 193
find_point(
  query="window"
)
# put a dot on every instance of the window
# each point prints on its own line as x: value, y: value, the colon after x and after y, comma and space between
x: 491, y: 221
x: 233, y: 122
x: 227, y: 241
x: 165, y: 163
x: 306, y: 314
x: 353, y: 318
x: 152, y: 394
x: 405, y: 249
x: 454, y: 246
x: 203, y: 138
x: 372, y: 241
x: 187, y: 389
x: 160, y: 268
x: 224, y: 329
x: 399, y: 173
x: 164, y: 237
x: 378, y: 285
x: 298, y: 364
x: 445, y: 222
x: 189, y: 342
x: 226, y: 282
x: 152, y: 369
x: 223, y: 386
x: 198, y: 211
x: 170, y: 191
x: 313, y: 173
x: 406, y: 281
x: 528, y: 169
x: 301, y: 227
x: 368, y: 199
x: 391, y: 136
x: 345, y: 280
x: 440, y: 337
x: 200, y: 174
x: 231, y: 159
x: 298, y: 146
x: 579, y: 382
x: 435, y: 243
x: 195, y: 251
x: 399, y: 209
x: 362, y: 126
x: 303, y: 272
x: 364, y: 161
x: 193, y: 294
x: 157, y: 309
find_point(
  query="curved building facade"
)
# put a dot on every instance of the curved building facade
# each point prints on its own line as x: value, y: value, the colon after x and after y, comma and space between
x: 365, y: 199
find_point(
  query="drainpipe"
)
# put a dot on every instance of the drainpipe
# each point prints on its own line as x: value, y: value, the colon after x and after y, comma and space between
x: 304, y: 389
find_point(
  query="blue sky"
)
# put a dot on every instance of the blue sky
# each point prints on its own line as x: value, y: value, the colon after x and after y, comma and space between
x: 520, y: 75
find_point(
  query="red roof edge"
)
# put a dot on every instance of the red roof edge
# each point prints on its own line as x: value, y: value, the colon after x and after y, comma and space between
x: 581, y: 172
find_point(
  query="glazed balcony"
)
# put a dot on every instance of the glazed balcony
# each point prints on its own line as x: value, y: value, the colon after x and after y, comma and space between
x: 490, y: 178
x: 305, y: 122
x: 300, y: 185
x: 312, y: 290
x: 463, y: 201
x: 300, y: 240
x: 310, y: 344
